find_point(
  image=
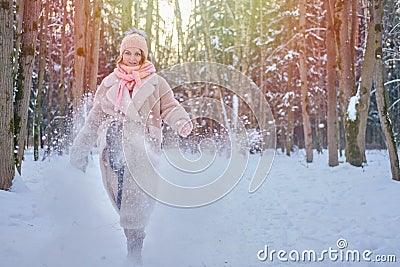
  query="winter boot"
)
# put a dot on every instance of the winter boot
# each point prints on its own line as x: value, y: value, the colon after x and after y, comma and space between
x: 135, y: 252
x: 134, y: 245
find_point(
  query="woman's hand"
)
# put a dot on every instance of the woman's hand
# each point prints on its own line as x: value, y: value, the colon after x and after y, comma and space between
x: 185, y: 127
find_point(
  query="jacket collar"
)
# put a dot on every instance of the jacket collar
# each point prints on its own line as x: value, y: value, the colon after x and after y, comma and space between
x: 140, y: 95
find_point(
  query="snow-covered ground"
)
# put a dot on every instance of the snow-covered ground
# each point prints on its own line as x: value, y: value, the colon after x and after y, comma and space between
x: 58, y: 216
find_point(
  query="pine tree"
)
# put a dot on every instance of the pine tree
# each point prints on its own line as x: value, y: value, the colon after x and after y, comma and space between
x: 6, y: 95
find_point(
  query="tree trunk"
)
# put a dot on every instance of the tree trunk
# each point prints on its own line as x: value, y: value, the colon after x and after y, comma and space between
x: 290, y: 129
x: 149, y: 22
x: 6, y: 96
x: 182, y: 53
x: 359, y: 102
x: 345, y: 60
x: 62, y: 112
x: 24, y: 79
x: 210, y: 57
x: 356, y: 126
x: 156, y: 39
x: 126, y: 15
x: 178, y: 16
x: 262, y: 64
x: 246, y: 29
x: 381, y: 97
x: 80, y: 53
x: 79, y: 61
x: 19, y: 16
x: 366, y: 84
x: 332, y: 114
x: 136, y: 14
x: 88, y: 38
x: 347, y: 80
x: 290, y: 112
x: 95, y: 46
x: 305, y: 103
x: 41, y: 71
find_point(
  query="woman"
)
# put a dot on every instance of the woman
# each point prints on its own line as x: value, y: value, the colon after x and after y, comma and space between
x: 132, y: 93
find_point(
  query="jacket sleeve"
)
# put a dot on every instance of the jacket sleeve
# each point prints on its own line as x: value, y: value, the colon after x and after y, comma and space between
x: 86, y: 138
x: 171, y: 111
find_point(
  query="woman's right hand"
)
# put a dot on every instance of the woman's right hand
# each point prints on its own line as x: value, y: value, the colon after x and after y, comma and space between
x: 185, y: 127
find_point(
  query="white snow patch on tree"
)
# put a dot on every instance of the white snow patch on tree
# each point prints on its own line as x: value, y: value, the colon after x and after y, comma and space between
x: 351, y: 109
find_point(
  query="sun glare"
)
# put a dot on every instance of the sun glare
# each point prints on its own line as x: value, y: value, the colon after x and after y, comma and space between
x: 167, y: 11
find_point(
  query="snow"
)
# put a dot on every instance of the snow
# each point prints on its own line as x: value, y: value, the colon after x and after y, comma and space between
x: 271, y: 68
x: 56, y: 215
x: 352, y: 110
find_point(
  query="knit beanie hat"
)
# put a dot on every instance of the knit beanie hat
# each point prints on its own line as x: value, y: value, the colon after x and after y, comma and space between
x: 134, y: 40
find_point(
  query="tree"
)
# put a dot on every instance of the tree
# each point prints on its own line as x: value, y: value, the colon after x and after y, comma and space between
x: 149, y: 22
x: 332, y: 114
x: 181, y: 49
x: 347, y: 84
x: 24, y: 76
x: 305, y: 103
x: 6, y: 95
x: 42, y: 68
x: 364, y: 91
x: 79, y: 56
x: 95, y: 45
x: 381, y: 96
x: 126, y: 15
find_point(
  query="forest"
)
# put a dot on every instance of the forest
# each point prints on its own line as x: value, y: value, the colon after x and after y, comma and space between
x: 327, y: 68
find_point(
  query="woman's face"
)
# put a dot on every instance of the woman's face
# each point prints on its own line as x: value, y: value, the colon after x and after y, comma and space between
x: 132, y: 57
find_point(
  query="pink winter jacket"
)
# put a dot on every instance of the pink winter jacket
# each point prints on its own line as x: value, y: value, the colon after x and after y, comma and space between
x: 154, y: 102
x: 150, y: 105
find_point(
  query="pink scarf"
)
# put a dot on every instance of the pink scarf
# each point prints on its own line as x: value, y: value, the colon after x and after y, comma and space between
x: 131, y: 76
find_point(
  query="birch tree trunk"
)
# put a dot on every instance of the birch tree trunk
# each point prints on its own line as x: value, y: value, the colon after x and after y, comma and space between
x: 6, y: 95
x: 305, y: 103
x: 381, y: 97
x: 24, y: 79
x: 332, y: 113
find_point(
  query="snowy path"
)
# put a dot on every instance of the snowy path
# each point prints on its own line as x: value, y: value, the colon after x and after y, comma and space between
x: 58, y: 216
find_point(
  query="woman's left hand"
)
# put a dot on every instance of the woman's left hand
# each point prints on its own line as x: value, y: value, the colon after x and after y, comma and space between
x: 185, y: 127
